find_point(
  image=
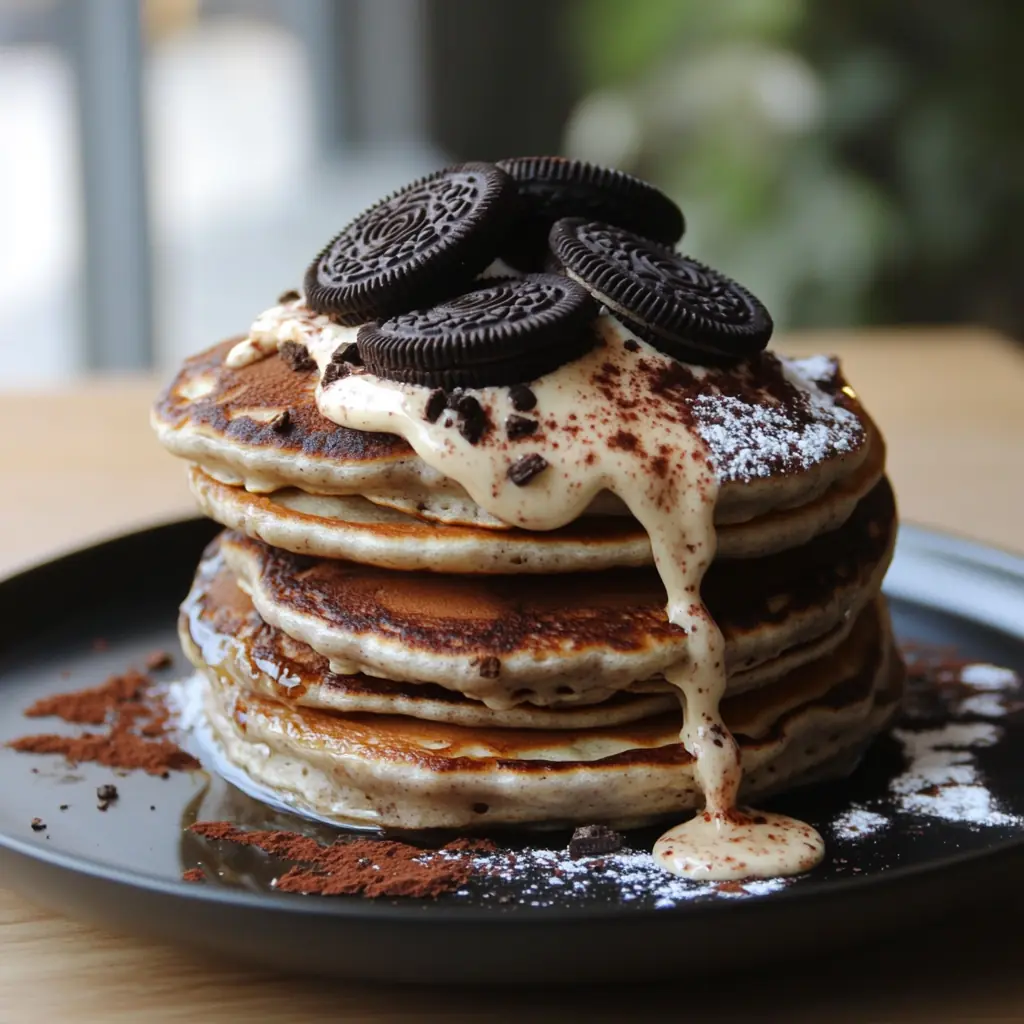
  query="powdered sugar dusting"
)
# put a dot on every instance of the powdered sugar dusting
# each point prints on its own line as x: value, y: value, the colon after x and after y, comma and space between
x: 818, y: 368
x: 759, y: 436
x: 983, y: 676
x: 545, y: 878
x: 858, y: 823
x: 942, y: 779
x: 962, y: 688
x: 943, y: 730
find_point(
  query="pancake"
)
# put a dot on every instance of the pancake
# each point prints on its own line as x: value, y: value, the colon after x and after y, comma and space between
x: 780, y: 433
x: 220, y: 630
x: 508, y: 640
x: 356, y: 529
x: 399, y: 771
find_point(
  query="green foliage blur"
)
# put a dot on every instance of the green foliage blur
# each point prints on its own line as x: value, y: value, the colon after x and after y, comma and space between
x: 852, y: 161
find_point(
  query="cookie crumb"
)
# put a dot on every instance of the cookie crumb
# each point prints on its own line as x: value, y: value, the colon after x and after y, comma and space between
x: 437, y: 401
x: 591, y: 840
x: 106, y: 795
x: 520, y: 426
x: 296, y: 357
x: 522, y: 398
x: 523, y: 470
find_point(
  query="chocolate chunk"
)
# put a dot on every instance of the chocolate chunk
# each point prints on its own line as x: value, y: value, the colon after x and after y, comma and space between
x: 505, y: 332
x: 630, y: 345
x: 296, y: 356
x: 437, y: 401
x: 38, y: 824
x: 289, y: 296
x: 282, y: 422
x: 522, y: 398
x: 594, y: 840
x: 520, y: 426
x: 490, y: 668
x: 523, y: 470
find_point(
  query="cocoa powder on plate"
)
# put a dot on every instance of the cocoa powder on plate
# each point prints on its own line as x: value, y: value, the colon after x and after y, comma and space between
x: 357, y: 867
x: 92, y: 705
x: 137, y: 727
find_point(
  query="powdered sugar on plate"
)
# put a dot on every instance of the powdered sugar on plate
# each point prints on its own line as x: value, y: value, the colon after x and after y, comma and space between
x: 983, y: 676
x: 942, y: 778
x: 546, y: 878
x: 858, y: 823
x: 941, y: 737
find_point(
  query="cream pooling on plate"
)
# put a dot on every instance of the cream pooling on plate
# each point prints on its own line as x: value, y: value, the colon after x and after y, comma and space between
x: 617, y: 419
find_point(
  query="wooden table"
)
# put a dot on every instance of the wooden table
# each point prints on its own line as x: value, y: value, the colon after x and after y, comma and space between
x: 81, y: 463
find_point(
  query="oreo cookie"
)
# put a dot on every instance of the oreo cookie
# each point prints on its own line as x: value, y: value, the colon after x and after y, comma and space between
x: 422, y: 244
x: 552, y: 187
x: 510, y: 331
x: 682, y: 307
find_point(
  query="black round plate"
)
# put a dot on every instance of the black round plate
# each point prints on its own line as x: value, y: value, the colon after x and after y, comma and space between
x: 122, y: 867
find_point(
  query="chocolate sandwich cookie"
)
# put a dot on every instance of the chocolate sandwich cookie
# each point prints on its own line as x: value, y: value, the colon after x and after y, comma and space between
x: 418, y: 246
x: 552, y: 187
x: 508, y: 332
x: 682, y: 307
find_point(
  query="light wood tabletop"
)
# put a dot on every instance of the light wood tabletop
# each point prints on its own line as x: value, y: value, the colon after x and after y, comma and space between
x: 80, y: 463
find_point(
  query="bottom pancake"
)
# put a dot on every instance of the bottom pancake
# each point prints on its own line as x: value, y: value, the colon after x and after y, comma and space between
x: 399, y: 771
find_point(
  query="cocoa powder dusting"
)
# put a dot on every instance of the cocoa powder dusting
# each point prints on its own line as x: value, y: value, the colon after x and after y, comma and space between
x: 137, y: 723
x: 357, y: 867
x: 91, y: 706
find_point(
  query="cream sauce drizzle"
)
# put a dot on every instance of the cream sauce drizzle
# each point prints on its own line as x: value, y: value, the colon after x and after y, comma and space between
x: 605, y: 424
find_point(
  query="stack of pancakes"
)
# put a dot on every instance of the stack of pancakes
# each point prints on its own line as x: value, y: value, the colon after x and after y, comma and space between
x: 376, y: 648
x: 417, y: 668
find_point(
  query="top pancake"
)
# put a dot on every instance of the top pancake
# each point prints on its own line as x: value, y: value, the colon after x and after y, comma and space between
x: 358, y: 530
x: 779, y: 433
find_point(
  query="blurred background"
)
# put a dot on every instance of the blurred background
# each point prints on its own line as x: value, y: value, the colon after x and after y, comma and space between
x: 170, y: 166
